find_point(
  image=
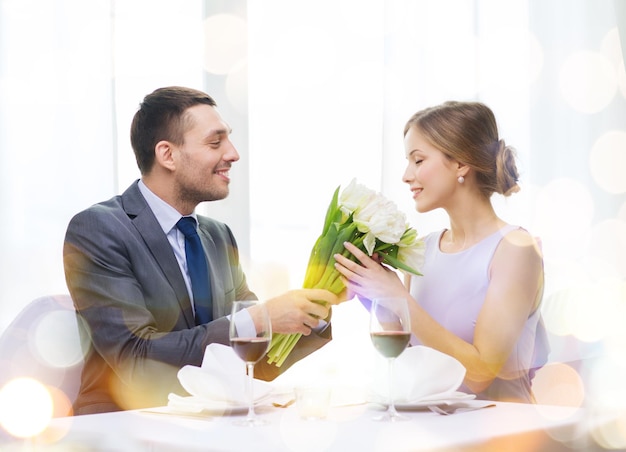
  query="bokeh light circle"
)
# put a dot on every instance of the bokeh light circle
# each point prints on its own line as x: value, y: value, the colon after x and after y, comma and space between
x: 586, y: 311
x: 611, y: 47
x: 606, y: 382
x: 607, y: 161
x: 611, y: 434
x: 226, y: 43
x: 609, y: 247
x: 588, y: 81
x: 237, y: 88
x: 61, y: 404
x: 558, y: 384
x: 564, y: 274
x: 564, y: 211
x: 25, y: 407
x: 56, y: 339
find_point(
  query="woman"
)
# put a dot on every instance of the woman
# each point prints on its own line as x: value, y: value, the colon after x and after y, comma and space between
x: 479, y: 298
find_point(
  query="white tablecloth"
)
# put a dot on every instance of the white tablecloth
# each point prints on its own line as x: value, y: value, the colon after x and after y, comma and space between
x: 349, y: 428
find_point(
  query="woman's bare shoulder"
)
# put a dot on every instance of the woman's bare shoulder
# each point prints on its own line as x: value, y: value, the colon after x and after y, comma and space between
x: 519, y: 242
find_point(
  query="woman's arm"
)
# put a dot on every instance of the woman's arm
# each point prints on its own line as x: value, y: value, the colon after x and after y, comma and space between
x: 514, y: 290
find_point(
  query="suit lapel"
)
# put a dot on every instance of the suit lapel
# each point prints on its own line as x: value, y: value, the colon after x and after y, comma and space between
x: 148, y: 227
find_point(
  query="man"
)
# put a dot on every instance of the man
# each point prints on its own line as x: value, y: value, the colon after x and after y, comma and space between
x: 126, y: 269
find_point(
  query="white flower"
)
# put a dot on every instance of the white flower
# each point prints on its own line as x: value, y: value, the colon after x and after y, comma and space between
x: 411, y: 250
x: 354, y: 197
x: 380, y: 219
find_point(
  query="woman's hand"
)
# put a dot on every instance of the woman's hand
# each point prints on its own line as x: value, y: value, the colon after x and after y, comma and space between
x: 369, y: 279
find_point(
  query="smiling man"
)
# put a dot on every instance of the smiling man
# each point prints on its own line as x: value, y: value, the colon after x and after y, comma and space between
x: 148, y: 309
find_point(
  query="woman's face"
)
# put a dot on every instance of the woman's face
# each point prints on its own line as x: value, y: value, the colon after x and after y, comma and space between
x: 431, y: 175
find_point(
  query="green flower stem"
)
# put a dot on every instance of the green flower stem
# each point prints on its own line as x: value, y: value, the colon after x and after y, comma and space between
x: 319, y: 257
x: 327, y: 278
x: 335, y: 284
x: 321, y: 272
x: 292, y: 340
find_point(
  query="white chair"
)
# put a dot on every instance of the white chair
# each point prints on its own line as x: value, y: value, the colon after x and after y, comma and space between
x: 43, y: 342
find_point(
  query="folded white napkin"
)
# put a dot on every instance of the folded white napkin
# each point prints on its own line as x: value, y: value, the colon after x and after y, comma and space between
x: 420, y: 373
x: 221, y: 381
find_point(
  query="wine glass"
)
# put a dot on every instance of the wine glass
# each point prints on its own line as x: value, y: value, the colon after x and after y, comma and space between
x: 250, y: 348
x: 390, y: 331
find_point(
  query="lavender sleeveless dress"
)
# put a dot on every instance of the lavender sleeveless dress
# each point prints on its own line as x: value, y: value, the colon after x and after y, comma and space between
x: 453, y: 291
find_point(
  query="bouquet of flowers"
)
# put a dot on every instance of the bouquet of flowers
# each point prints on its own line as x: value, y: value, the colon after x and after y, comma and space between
x: 373, y: 224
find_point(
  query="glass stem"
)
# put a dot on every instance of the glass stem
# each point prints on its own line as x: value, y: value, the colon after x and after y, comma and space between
x: 250, y: 386
x: 392, y: 407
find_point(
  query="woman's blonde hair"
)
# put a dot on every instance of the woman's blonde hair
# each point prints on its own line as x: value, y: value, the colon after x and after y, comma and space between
x: 467, y: 132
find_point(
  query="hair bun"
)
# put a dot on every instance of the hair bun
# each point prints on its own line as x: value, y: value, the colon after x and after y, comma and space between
x: 506, y: 170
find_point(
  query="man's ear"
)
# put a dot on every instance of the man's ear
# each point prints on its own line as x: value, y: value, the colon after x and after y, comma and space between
x: 163, y: 155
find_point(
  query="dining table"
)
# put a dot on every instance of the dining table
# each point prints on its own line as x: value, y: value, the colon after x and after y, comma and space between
x: 349, y: 427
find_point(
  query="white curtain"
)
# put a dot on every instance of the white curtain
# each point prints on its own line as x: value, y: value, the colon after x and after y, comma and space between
x: 318, y: 93
x: 71, y: 75
x: 57, y: 136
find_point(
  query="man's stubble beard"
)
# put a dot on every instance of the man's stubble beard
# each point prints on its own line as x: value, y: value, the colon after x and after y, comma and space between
x: 198, y: 196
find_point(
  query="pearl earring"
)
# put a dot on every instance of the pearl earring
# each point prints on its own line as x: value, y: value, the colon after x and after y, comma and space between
x: 461, y: 179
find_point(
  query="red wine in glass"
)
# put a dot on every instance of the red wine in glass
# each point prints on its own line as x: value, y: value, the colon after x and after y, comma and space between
x: 250, y: 349
x: 390, y: 331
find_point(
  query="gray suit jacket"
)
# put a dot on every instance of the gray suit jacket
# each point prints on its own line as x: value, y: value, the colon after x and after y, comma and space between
x: 132, y: 301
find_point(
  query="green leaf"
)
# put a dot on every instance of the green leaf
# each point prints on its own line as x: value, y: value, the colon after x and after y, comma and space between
x: 332, y: 212
x: 395, y: 263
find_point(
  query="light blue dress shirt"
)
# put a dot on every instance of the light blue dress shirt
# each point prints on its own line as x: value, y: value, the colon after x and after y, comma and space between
x: 167, y: 217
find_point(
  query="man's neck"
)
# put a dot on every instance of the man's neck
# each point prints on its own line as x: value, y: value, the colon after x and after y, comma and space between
x: 163, y: 189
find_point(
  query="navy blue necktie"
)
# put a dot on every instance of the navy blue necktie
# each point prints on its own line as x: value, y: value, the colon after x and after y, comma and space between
x: 198, y: 270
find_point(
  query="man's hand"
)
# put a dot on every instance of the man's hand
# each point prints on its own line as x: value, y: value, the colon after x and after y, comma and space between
x: 298, y: 311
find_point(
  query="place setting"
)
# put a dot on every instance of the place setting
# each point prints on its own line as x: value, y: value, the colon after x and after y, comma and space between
x: 217, y: 388
x: 224, y: 385
x: 221, y: 386
x: 417, y: 378
x: 424, y: 379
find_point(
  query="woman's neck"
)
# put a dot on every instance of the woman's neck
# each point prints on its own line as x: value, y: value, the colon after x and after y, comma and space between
x: 468, y: 226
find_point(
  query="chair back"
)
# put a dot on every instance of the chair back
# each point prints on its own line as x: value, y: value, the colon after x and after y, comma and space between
x: 43, y: 342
